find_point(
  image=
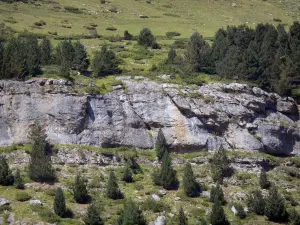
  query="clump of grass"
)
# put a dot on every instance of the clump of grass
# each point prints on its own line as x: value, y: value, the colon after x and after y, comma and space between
x: 22, y: 196
x: 72, y: 9
x: 45, y: 214
x: 111, y: 28
x: 40, y: 23
x: 172, y: 34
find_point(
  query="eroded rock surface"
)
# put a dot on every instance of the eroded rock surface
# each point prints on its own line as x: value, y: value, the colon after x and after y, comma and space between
x: 234, y: 116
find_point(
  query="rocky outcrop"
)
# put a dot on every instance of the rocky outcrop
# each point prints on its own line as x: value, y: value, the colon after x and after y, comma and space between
x: 194, y: 118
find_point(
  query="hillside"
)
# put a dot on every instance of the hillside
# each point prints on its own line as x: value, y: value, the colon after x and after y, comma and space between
x: 185, y: 17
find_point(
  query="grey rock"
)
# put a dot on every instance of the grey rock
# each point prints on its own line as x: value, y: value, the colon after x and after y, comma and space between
x: 35, y: 202
x: 234, y: 116
x: 4, y: 202
x: 160, y: 220
x: 177, y: 198
x: 162, y: 192
x: 233, y: 209
x: 155, y: 197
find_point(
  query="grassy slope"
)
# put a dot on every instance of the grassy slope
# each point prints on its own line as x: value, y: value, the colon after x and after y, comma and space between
x: 185, y: 17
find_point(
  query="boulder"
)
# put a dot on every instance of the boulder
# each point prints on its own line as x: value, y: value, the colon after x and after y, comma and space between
x: 160, y: 220
x: 4, y: 202
x: 155, y: 197
x: 35, y: 202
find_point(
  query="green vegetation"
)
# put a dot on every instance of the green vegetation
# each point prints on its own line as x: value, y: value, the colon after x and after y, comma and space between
x: 6, y: 177
x: 263, y: 180
x: 59, y: 203
x: 18, y: 181
x: 79, y: 189
x: 275, y: 207
x: 182, y: 218
x: 131, y: 214
x: 220, y: 166
x: 112, y: 190
x: 190, y: 185
x: 92, y: 216
x: 160, y: 145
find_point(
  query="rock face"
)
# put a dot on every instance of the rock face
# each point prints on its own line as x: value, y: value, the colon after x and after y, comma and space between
x: 234, y: 116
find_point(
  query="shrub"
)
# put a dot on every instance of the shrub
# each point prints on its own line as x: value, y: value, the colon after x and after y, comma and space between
x: 72, y: 9
x: 217, y: 216
x: 6, y: 177
x: 256, y: 202
x: 240, y: 210
x: 79, y: 189
x: 45, y: 213
x: 22, y: 196
x: 216, y: 194
x: 92, y: 216
x: 191, y: 187
x: 40, y: 23
x: 146, y: 38
x: 127, y: 175
x: 220, y: 166
x: 59, y: 203
x: 182, y: 218
x: 263, y: 180
x: 112, y: 190
x: 111, y: 28
x: 172, y: 34
x: 131, y: 214
x: 127, y: 35
x: 18, y: 181
x: 275, y: 207
x: 154, y: 206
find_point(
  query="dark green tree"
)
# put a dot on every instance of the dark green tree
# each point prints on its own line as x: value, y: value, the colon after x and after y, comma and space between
x: 65, y: 55
x: 14, y: 60
x: 168, y: 176
x: 133, y: 165
x: 59, y: 205
x: 240, y: 211
x: 127, y: 35
x: 6, y: 177
x: 105, y: 62
x: 156, y: 177
x: 160, y: 145
x: 197, y: 53
x: 217, y: 216
x: 263, y: 180
x: 33, y: 55
x: 112, y: 190
x: 217, y: 194
x: 220, y: 166
x: 1, y: 59
x: 294, y: 217
x: 171, y: 56
x: 46, y: 51
x: 92, y: 216
x: 256, y: 202
x: 190, y: 185
x: 131, y: 215
x: 18, y: 181
x: 146, y: 38
x: 81, y: 61
x: 79, y: 189
x: 127, y: 175
x: 183, y: 220
x: 64, y: 69
x: 275, y: 207
x: 40, y: 168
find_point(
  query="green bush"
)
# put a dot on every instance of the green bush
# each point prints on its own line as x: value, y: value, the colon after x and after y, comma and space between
x: 45, y: 214
x: 72, y: 9
x: 22, y: 196
x: 111, y: 28
x: 154, y: 206
x: 172, y: 34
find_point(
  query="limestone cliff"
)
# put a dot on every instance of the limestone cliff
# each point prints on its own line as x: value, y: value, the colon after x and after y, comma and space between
x: 235, y: 116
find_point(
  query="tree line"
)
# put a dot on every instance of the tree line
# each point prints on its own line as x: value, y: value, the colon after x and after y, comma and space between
x: 267, y: 55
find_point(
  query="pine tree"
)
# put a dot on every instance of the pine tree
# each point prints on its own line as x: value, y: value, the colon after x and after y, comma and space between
x: 190, y: 185
x: 6, y: 177
x: 160, y: 145
x: 64, y: 69
x: 127, y: 35
x: 275, y: 206
x: 217, y: 194
x: 146, y: 38
x: 33, y: 55
x: 133, y: 165
x: 105, y: 62
x: 217, y: 216
x: 197, y: 53
x: 92, y: 216
x: 127, y: 175
x: 18, y: 181
x: 240, y: 211
x: 40, y: 168
x: 171, y: 56
x: 263, y: 180
x: 112, y: 190
x: 1, y: 59
x: 59, y: 203
x: 182, y: 218
x: 46, y: 51
x: 168, y: 175
x: 256, y: 202
x: 79, y: 189
x: 220, y: 166
x: 65, y: 55
x: 156, y: 177
x: 132, y: 214
x: 81, y: 62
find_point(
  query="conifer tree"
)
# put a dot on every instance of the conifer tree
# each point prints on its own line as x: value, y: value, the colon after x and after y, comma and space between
x: 105, y: 62
x: 160, y: 145
x: 217, y: 216
x: 263, y: 180
x: 65, y: 55
x: 46, y: 51
x: 40, y: 168
x: 6, y: 177
x: 59, y: 205
x: 127, y: 35
x: 79, y: 189
x: 18, y: 181
x: 182, y: 218
x: 112, y: 190
x: 146, y: 38
x: 127, y: 175
x: 190, y: 185
x: 133, y: 165
x: 132, y: 214
x: 156, y: 177
x: 1, y: 59
x: 81, y: 62
x: 92, y: 216
x: 217, y: 194
x: 275, y: 207
x: 168, y: 175
x: 171, y: 56
x: 256, y: 202
x: 220, y: 166
x: 33, y: 56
